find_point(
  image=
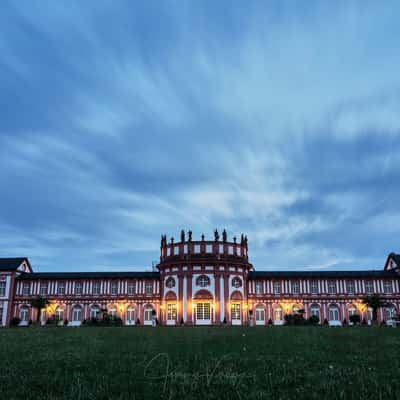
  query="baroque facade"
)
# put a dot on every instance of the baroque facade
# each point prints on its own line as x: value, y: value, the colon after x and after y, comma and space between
x: 197, y: 283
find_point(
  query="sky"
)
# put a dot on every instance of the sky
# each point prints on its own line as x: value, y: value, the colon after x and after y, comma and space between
x: 121, y: 121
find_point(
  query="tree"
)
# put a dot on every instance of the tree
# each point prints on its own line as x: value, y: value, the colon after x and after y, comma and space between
x: 375, y: 302
x: 39, y: 303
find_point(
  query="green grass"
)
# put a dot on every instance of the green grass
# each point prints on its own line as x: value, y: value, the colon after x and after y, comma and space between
x: 200, y: 363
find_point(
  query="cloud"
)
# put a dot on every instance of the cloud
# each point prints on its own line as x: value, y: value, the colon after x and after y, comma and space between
x: 124, y: 122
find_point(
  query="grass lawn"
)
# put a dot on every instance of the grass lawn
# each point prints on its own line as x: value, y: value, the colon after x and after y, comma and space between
x: 200, y: 363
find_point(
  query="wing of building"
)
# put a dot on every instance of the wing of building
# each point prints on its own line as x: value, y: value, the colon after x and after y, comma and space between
x: 196, y: 283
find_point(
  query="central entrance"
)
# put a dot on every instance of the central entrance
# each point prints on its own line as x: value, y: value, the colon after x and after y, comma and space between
x: 203, y: 313
x: 171, y: 313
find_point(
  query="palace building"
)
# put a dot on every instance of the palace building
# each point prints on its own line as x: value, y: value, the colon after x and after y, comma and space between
x: 199, y: 282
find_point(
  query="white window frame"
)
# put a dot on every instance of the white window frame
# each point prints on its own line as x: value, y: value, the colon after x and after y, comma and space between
x: 277, y: 287
x: 78, y: 288
x: 3, y: 285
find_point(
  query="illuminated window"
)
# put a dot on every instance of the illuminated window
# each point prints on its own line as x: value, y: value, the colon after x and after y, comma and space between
x: 236, y: 282
x: 112, y: 312
x: 78, y: 288
x: 350, y: 288
x: 277, y: 288
x: 295, y: 287
x: 149, y: 288
x: 148, y: 314
x: 131, y: 288
x: 203, y: 311
x: 171, y: 311
x: 331, y: 287
x: 314, y: 287
x: 203, y: 281
x: 114, y: 288
x: 130, y: 315
x: 369, y: 287
x: 96, y: 287
x: 387, y: 287
x: 278, y: 313
x: 259, y: 287
x: 235, y: 311
x: 61, y: 288
x: 170, y: 282
x: 2, y: 289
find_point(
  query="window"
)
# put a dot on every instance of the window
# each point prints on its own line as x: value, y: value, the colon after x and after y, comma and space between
x: 26, y: 289
x: 176, y: 250
x: 235, y: 311
x: 114, y: 288
x: 171, y: 311
x: 277, y: 288
x: 43, y: 289
x: 203, y: 311
x: 352, y: 311
x: 203, y: 281
x: 149, y: 288
x: 315, y: 311
x: 230, y: 250
x: 130, y: 315
x: 77, y: 314
x: 96, y: 287
x: 24, y: 314
x: 331, y: 287
x: 259, y: 287
x: 94, y: 312
x: 197, y: 248
x: 236, y: 282
x: 221, y: 249
x: 387, y: 287
x: 333, y: 313
x: 260, y: 314
x: 170, y: 282
x: 78, y: 288
x: 1, y: 316
x: 131, y: 288
x: 61, y: 288
x: 112, y: 312
x: 148, y: 314
x: 350, y: 287
x: 369, y: 287
x: 209, y: 248
x: 314, y: 287
x: 370, y: 314
x: 59, y: 314
x: 389, y: 313
x: 296, y: 287
x: 278, y: 313
x: 2, y: 289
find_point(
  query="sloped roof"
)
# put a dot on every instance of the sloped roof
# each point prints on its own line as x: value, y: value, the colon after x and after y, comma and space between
x: 322, y: 274
x: 11, y: 264
x: 90, y: 275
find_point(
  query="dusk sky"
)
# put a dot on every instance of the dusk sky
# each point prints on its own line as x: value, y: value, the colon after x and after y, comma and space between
x: 121, y: 121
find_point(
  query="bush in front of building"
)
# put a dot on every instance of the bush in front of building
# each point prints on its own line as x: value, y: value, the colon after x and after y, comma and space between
x: 295, y: 319
x: 15, y: 321
x: 313, y: 320
x: 270, y: 323
x: 355, y: 319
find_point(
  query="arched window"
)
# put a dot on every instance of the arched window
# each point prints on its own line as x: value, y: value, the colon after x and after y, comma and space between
x: 352, y: 310
x: 389, y: 312
x: 24, y: 314
x: 170, y: 283
x: 94, y: 312
x: 59, y: 315
x: 236, y: 282
x: 333, y: 313
x: 278, y: 313
x: 77, y: 314
x: 130, y: 315
x: 314, y: 311
x: 112, y: 312
x: 260, y: 314
x: 203, y: 281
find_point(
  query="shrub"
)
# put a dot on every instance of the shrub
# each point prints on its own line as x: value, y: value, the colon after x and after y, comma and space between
x: 344, y: 323
x: 383, y: 323
x: 224, y: 321
x: 138, y: 321
x: 65, y: 322
x: 355, y: 319
x: 364, y: 322
x: 182, y: 322
x: 30, y: 322
x: 313, y: 320
x: 326, y: 322
x: 270, y: 322
x: 294, y: 319
x: 15, y: 321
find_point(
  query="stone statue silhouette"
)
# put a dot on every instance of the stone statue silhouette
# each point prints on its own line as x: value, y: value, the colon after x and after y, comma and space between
x: 190, y: 235
x: 216, y: 235
x: 182, y: 235
x: 224, y: 236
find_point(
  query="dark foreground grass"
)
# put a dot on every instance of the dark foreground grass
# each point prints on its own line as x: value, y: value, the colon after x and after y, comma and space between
x: 200, y: 363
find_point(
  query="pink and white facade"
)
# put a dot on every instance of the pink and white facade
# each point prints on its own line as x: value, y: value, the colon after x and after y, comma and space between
x: 197, y: 283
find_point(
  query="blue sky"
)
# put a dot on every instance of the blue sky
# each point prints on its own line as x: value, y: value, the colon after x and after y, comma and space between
x: 120, y: 121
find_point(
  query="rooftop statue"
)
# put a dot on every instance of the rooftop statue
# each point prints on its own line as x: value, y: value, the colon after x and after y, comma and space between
x: 190, y: 235
x: 224, y: 236
x: 182, y: 235
x: 216, y: 235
